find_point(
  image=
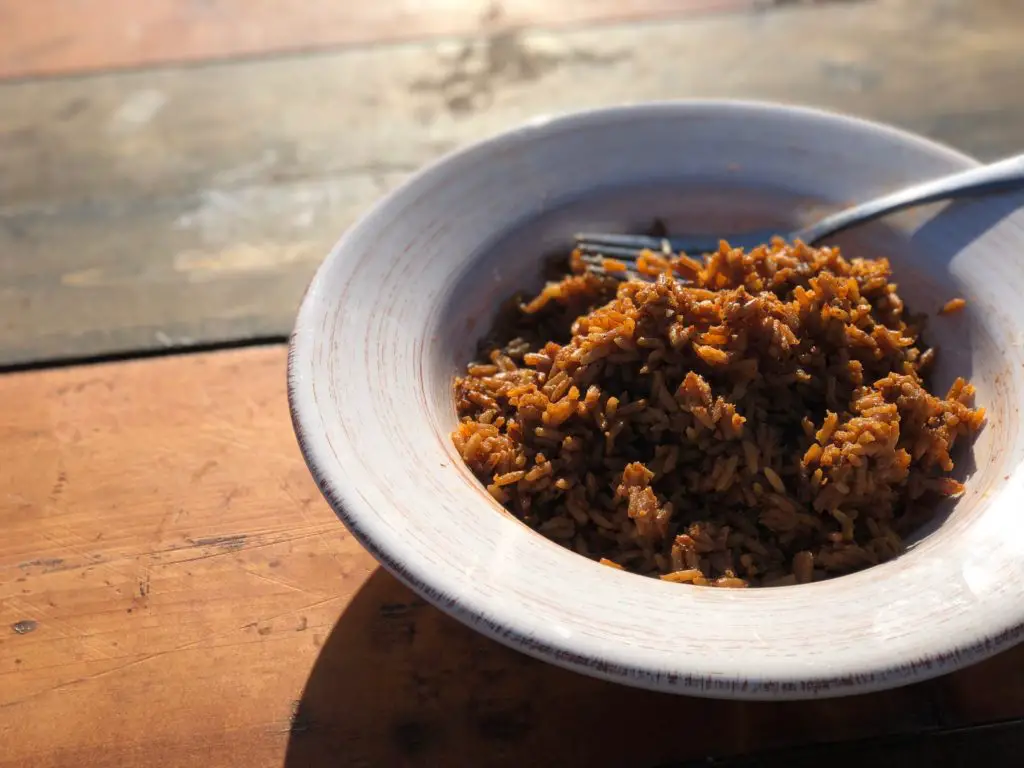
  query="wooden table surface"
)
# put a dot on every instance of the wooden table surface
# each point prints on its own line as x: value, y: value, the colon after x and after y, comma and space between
x: 173, y: 589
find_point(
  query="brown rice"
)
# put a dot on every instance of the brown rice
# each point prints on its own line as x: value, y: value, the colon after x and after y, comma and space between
x: 756, y: 418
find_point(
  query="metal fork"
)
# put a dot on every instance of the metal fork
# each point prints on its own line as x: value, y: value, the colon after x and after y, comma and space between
x: 1000, y: 176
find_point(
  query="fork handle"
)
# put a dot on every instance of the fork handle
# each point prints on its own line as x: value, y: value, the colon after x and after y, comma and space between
x: 995, y: 177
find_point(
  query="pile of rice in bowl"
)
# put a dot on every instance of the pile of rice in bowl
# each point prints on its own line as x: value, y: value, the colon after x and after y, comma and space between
x: 754, y: 418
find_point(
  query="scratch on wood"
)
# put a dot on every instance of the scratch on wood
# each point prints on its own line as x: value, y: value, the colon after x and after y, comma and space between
x: 62, y: 626
x: 200, y: 473
x: 232, y: 542
x: 306, y: 607
x: 24, y: 626
x: 59, y: 485
x: 65, y: 539
x: 302, y: 506
x: 300, y: 721
x: 278, y: 582
x: 228, y: 551
x: 48, y: 564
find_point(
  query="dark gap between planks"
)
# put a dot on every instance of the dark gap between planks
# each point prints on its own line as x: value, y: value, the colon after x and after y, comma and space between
x: 142, y: 354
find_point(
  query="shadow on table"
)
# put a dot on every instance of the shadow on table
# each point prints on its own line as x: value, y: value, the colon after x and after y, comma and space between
x: 398, y: 682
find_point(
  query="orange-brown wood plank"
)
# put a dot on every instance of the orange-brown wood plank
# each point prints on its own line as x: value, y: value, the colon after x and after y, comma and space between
x: 46, y: 37
x: 174, y: 592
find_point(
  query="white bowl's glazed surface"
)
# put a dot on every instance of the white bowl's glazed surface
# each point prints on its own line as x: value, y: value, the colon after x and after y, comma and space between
x: 396, y: 310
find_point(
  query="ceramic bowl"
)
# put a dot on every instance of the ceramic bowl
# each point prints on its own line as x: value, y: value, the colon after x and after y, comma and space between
x: 397, y: 307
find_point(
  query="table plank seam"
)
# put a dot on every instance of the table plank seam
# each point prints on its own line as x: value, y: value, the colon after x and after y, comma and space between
x: 144, y: 353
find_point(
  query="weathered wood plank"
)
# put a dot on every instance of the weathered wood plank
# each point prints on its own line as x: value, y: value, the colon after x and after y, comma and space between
x: 192, y: 205
x: 173, y: 590
x: 47, y: 37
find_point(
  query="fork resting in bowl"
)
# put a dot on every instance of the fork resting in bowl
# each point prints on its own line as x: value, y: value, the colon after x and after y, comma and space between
x: 1001, y: 176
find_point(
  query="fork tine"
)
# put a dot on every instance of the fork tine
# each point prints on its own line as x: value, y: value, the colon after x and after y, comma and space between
x: 690, y: 244
x: 608, y: 251
x: 598, y: 261
x: 634, y: 243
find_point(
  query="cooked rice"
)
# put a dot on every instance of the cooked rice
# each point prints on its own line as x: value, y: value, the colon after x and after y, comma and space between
x: 753, y: 419
x: 953, y: 306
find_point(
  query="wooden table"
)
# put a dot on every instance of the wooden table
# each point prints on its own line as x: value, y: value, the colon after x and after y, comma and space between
x: 173, y: 589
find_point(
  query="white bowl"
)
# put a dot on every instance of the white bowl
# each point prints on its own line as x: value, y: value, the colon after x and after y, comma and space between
x: 395, y: 311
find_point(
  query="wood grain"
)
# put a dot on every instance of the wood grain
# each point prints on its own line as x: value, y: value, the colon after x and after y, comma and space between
x: 191, y: 205
x: 48, y: 37
x: 173, y: 590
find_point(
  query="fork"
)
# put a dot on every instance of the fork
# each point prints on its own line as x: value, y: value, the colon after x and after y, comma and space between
x: 1000, y: 176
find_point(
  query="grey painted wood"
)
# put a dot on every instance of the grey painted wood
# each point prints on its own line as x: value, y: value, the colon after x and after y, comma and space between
x: 191, y: 205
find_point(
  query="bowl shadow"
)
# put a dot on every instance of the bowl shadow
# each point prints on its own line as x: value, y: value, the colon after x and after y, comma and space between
x: 397, y: 682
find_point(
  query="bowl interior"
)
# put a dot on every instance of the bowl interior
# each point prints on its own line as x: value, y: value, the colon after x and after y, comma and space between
x: 397, y: 309
x: 920, y: 247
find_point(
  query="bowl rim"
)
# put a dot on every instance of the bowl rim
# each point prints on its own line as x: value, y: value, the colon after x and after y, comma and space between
x: 469, y: 609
